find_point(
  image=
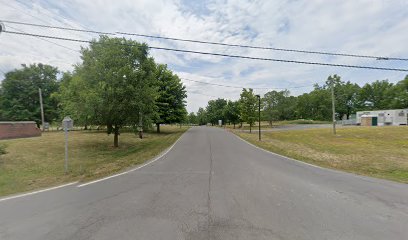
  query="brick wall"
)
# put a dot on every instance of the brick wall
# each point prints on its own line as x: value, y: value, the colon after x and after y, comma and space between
x: 18, y: 130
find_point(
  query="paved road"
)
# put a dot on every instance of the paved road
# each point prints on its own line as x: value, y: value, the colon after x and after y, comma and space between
x: 212, y: 185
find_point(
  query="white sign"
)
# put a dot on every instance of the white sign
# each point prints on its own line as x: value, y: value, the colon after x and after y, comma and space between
x: 220, y: 122
x: 67, y: 123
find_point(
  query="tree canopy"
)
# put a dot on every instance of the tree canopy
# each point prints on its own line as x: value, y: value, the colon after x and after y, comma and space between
x: 19, y: 94
x: 171, y: 104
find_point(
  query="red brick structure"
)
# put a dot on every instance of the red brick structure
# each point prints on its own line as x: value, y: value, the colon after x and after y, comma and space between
x: 10, y: 130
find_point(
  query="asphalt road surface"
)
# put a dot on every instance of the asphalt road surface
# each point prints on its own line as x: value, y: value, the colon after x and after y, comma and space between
x: 212, y: 185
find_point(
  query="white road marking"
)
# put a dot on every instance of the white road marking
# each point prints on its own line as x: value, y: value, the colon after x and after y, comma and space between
x: 365, y: 178
x: 131, y: 170
x: 276, y: 154
x: 39, y: 191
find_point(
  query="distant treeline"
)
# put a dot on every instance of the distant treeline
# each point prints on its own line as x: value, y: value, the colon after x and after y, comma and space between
x: 315, y: 105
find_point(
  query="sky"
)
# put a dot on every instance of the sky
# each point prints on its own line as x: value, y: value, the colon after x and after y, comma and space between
x: 367, y: 27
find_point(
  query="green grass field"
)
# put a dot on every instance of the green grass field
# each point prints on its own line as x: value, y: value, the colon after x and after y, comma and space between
x: 372, y: 151
x: 266, y: 125
x: 32, y: 163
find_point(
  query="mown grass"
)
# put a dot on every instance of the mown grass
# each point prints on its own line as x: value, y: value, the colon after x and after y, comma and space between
x: 33, y: 163
x: 266, y: 125
x: 372, y: 151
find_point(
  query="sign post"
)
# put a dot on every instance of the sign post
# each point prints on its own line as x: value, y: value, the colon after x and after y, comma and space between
x: 67, y: 124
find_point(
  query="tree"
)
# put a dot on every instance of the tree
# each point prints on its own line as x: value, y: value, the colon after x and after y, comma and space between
x: 314, y: 105
x: 19, y: 94
x: 278, y: 105
x: 201, y: 116
x: 75, y: 100
x: 347, y: 98
x: 231, y: 112
x: 171, y: 101
x: 401, y: 94
x: 192, y: 118
x: 248, y: 107
x: 377, y: 95
x: 119, y: 78
x: 215, y: 110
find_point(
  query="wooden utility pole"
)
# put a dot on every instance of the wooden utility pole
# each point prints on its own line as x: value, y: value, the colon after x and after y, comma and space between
x: 333, y: 106
x: 42, y: 109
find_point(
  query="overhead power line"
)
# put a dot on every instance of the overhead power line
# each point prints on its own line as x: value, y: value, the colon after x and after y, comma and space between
x: 55, y: 27
x: 221, y: 54
x: 204, y: 94
x: 267, y: 48
x: 57, y: 44
x: 213, y: 43
x: 240, y: 87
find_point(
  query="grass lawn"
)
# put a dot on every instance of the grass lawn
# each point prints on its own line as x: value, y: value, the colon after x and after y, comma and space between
x: 265, y: 124
x: 32, y: 163
x: 373, y: 151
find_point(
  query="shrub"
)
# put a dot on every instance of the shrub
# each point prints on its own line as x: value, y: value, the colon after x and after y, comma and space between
x: 2, y: 149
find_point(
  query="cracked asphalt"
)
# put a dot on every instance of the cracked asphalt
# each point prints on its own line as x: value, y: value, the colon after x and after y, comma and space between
x: 212, y: 185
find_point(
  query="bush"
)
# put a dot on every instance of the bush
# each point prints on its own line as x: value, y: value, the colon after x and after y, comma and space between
x: 2, y: 149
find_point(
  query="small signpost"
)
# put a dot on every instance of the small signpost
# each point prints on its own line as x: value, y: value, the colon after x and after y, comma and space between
x: 46, y: 126
x: 67, y: 124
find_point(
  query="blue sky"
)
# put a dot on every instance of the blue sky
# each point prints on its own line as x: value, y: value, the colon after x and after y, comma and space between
x: 369, y: 27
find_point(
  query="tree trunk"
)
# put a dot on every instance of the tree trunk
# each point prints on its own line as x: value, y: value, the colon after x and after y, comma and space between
x: 141, y: 134
x: 116, y: 137
x: 270, y: 123
x: 250, y: 128
x: 158, y: 127
x: 234, y: 125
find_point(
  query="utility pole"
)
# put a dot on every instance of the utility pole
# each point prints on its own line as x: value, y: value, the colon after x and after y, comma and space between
x: 259, y: 116
x: 333, y: 105
x: 42, y: 109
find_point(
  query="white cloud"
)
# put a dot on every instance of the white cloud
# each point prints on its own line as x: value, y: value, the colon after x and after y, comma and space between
x: 369, y: 27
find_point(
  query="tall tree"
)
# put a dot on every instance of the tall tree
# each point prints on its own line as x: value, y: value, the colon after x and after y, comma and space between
x: 75, y: 99
x: 171, y: 101
x: 278, y: 105
x: 248, y: 107
x: 120, y: 77
x: 347, y: 98
x: 201, y: 116
x: 231, y: 112
x: 19, y: 94
x: 377, y: 95
x: 401, y: 94
x: 192, y: 118
x: 314, y: 105
x: 215, y: 110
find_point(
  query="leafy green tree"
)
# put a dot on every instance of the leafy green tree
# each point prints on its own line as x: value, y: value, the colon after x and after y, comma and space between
x: 314, y: 105
x: 19, y: 94
x: 75, y: 100
x: 231, y: 112
x: 401, y: 94
x: 119, y: 77
x: 248, y: 107
x: 377, y: 95
x: 347, y: 97
x: 171, y: 101
x: 278, y: 105
x: 201, y: 116
x: 215, y: 110
x: 192, y: 118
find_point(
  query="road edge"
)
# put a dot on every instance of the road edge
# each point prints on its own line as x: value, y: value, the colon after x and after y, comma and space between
x: 148, y: 162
